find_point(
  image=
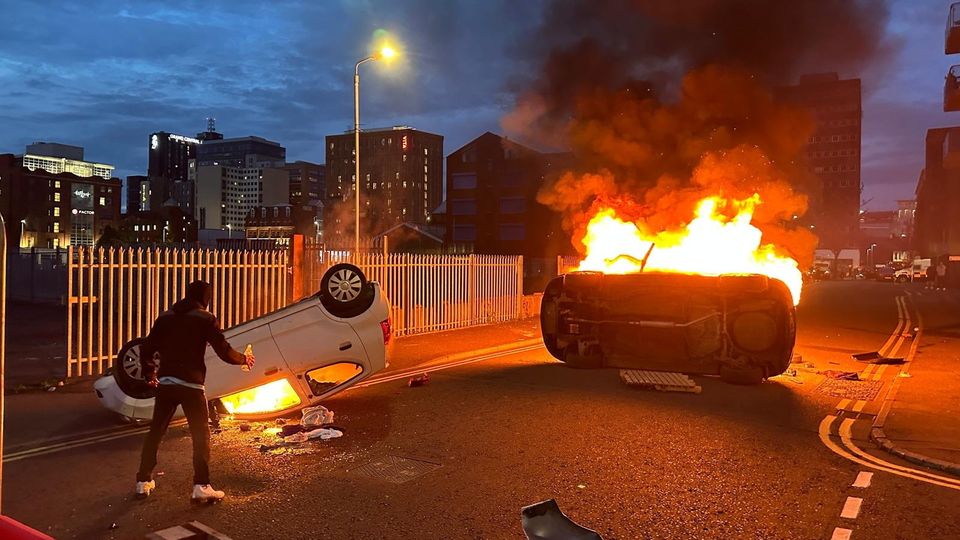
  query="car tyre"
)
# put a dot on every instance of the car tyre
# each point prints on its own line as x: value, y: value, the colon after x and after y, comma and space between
x: 344, y: 291
x: 128, y: 370
x: 744, y: 376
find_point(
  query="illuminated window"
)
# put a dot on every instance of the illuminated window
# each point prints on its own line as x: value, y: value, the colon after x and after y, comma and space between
x: 56, y: 226
x: 103, y: 201
x: 56, y: 183
x: 56, y: 211
x: 56, y: 197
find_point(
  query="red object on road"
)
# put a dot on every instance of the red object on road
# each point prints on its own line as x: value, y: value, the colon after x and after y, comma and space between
x: 14, y: 530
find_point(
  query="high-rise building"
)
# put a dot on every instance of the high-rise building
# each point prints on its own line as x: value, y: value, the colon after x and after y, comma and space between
x: 241, y: 152
x: 57, y: 158
x: 170, y: 168
x: 401, y: 179
x: 833, y: 152
x: 138, y: 194
x: 56, y: 209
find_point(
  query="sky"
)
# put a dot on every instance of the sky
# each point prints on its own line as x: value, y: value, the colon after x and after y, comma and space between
x: 106, y: 74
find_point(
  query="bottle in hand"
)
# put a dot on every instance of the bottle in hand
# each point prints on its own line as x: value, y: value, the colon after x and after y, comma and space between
x: 247, y: 352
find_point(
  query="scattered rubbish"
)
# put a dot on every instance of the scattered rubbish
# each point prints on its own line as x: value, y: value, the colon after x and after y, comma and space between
x: 865, y: 356
x: 52, y: 389
x: 797, y: 359
x: 316, y: 416
x: 294, y: 438
x: 659, y: 380
x: 159, y: 473
x: 244, y: 427
x: 290, y: 429
x: 841, y: 375
x: 272, y: 430
x: 904, y: 374
x: 874, y: 357
x: 113, y: 526
x: 581, y: 486
x: 790, y: 373
x: 419, y: 380
x: 545, y: 521
x: 324, y: 434
x: 281, y: 421
x: 886, y: 360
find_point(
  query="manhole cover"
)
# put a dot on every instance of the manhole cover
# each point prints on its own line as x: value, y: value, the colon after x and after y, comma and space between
x: 865, y: 390
x: 396, y: 469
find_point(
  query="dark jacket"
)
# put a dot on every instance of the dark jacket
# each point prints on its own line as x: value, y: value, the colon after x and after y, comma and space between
x: 181, y: 336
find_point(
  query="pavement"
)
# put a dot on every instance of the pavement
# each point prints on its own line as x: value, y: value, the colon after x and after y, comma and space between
x: 496, y: 430
x: 923, y: 424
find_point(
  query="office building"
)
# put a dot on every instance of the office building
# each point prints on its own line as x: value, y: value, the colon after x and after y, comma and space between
x: 241, y: 152
x: 47, y: 209
x: 936, y: 232
x: 491, y: 206
x: 833, y: 153
x: 56, y: 158
x: 401, y: 171
x: 307, y: 182
x: 138, y: 194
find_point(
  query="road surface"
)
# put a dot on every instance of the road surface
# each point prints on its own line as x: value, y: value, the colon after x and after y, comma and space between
x: 459, y: 457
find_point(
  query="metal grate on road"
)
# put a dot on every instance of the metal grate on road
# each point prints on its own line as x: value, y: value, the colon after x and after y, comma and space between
x: 855, y: 390
x: 396, y: 469
x: 659, y: 380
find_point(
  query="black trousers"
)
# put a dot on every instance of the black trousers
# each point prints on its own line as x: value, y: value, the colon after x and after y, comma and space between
x: 194, y: 404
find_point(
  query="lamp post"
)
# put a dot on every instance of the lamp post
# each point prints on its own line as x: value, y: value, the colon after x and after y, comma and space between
x: 386, y: 53
x: 316, y: 238
x: 229, y: 231
x: 23, y: 226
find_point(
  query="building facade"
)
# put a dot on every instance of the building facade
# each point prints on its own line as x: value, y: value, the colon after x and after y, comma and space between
x: 138, y: 193
x: 401, y: 173
x: 167, y: 225
x: 307, y: 182
x: 57, y: 158
x: 833, y: 153
x: 170, y: 167
x: 491, y: 206
x: 276, y: 224
x: 936, y: 227
x: 49, y: 210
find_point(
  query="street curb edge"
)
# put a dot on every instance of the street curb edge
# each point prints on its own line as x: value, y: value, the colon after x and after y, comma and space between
x: 879, y: 438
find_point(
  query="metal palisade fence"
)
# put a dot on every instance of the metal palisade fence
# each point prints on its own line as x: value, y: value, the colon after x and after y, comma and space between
x: 431, y: 293
x: 115, y: 294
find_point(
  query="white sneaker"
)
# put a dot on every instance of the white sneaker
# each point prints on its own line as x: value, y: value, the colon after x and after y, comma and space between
x: 144, y: 488
x: 204, y: 493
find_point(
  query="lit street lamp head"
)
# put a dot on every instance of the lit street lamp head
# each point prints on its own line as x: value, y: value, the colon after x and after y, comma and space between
x: 386, y: 53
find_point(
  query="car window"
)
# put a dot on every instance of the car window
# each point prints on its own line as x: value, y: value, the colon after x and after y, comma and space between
x: 324, y: 378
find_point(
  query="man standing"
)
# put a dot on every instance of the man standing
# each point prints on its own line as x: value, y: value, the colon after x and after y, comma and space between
x: 941, y: 276
x: 181, y: 336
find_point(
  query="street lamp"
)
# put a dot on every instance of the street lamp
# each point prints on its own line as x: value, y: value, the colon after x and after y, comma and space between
x: 229, y: 230
x: 316, y: 224
x: 23, y: 226
x: 386, y: 53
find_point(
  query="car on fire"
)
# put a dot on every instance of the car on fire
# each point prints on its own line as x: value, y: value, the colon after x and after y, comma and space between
x: 305, y: 352
x: 741, y: 327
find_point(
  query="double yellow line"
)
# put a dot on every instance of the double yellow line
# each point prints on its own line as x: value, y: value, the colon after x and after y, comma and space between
x: 847, y: 447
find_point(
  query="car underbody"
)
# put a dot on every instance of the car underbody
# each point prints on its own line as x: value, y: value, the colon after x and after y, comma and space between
x: 741, y: 327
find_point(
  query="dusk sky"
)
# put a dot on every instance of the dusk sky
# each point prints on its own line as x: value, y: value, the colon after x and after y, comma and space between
x: 106, y: 74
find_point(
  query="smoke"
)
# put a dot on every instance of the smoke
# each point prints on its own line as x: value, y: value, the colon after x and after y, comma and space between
x: 665, y: 102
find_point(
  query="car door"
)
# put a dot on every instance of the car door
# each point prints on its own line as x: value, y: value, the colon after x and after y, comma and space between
x: 322, y: 352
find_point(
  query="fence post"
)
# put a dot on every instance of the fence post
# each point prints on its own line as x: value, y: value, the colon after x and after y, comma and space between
x: 519, y: 313
x: 472, y: 288
x: 297, y: 266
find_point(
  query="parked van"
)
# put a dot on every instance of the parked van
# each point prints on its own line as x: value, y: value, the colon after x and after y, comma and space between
x: 915, y: 272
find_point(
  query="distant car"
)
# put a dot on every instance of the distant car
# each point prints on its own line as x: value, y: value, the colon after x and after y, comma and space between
x: 885, y: 273
x: 305, y: 352
x: 740, y: 327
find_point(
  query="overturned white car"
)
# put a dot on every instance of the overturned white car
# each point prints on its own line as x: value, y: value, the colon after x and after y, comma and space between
x: 305, y: 352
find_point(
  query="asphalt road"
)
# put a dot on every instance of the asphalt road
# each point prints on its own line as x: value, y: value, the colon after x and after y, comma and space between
x: 484, y: 439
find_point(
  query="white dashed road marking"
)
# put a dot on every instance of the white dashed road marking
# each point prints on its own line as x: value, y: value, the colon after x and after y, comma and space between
x: 841, y: 534
x: 863, y: 479
x: 851, y: 508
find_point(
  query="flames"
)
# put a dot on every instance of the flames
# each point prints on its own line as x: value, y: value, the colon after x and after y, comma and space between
x: 273, y: 396
x: 712, y: 243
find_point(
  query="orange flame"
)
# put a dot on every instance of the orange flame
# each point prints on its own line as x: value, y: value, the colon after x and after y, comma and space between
x: 273, y: 396
x: 711, y: 244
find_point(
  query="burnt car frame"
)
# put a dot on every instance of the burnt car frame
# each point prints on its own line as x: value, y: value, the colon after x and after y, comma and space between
x: 740, y: 327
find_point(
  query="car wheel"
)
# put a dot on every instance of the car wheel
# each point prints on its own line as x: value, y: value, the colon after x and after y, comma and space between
x: 344, y: 291
x: 573, y: 358
x: 746, y: 376
x: 128, y: 370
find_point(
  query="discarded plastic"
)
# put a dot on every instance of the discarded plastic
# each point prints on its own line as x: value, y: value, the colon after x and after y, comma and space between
x: 295, y: 438
x: 316, y: 416
x: 545, y: 521
x: 324, y: 434
x: 842, y: 375
x: 419, y: 380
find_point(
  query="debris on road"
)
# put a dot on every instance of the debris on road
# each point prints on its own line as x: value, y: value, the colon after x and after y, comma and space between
x: 797, y: 358
x: 188, y: 531
x: 662, y: 381
x: 290, y: 429
x: 316, y: 416
x: 419, y: 380
x: 874, y: 357
x: 545, y: 521
x: 865, y: 356
x: 244, y: 427
x: 841, y: 375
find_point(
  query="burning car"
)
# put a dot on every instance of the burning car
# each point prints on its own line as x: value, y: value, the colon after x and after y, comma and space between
x: 305, y: 352
x: 740, y: 327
